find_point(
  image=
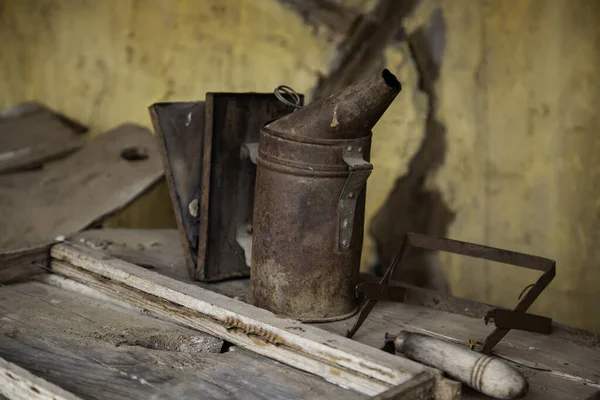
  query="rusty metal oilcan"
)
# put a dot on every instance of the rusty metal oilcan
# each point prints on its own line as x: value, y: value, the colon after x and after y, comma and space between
x: 312, y: 169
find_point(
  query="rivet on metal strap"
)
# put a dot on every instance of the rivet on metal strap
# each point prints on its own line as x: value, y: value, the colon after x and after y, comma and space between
x: 355, y: 183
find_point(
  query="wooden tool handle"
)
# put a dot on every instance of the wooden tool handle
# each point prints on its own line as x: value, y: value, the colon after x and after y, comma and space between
x: 491, y: 376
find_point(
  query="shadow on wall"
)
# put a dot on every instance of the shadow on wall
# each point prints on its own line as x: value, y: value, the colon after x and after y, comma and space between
x: 411, y: 206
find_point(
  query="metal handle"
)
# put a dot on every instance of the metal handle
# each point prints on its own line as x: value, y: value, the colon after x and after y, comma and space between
x: 360, y: 170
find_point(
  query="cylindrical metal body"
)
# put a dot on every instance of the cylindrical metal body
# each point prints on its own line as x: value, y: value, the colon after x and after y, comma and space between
x: 489, y: 375
x: 297, y: 267
x: 312, y: 168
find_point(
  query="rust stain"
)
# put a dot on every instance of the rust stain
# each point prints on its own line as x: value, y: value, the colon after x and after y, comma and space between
x: 259, y: 335
x: 312, y: 168
x: 259, y: 342
x: 378, y: 370
x: 260, y: 332
x: 264, y: 336
x: 334, y: 358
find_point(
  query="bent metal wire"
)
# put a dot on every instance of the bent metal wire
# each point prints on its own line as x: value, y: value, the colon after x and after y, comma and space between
x: 504, y: 319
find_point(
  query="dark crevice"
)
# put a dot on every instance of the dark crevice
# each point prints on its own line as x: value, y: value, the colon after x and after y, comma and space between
x: 410, y: 206
x: 391, y: 80
x: 226, y: 346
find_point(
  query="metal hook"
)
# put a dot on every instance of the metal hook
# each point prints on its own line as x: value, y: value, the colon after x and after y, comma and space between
x: 525, y: 289
x: 283, y: 90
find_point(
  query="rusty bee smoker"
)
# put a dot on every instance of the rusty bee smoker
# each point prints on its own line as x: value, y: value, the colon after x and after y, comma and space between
x: 312, y: 169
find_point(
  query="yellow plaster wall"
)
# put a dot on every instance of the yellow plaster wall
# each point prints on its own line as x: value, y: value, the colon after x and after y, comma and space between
x: 517, y: 93
x: 104, y: 62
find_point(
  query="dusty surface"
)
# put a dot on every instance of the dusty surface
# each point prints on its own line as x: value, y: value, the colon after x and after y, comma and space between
x: 93, y: 322
x: 98, y: 350
x: 72, y: 193
x: 156, y: 249
x: 563, y: 365
x: 517, y: 96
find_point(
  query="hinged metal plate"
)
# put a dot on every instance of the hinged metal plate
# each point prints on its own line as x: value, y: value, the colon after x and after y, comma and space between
x: 211, y: 184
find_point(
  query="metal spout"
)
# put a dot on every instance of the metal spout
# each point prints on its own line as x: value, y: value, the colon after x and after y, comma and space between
x: 349, y: 113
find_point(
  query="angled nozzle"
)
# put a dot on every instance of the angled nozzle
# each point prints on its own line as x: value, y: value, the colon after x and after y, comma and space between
x: 347, y: 114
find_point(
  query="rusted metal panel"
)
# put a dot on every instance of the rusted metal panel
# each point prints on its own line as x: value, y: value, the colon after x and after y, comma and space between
x: 179, y: 131
x: 211, y: 182
x: 312, y: 168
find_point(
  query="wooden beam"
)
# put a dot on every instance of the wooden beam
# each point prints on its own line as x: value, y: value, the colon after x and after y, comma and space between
x: 17, y: 383
x: 81, y: 340
x: 108, y: 173
x: 337, y: 359
x: 21, y: 264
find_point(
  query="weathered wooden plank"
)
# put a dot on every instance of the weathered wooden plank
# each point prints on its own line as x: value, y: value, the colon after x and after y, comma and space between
x: 16, y: 265
x: 159, y: 250
x: 568, y: 347
x: 85, y: 343
x: 73, y: 193
x: 564, y: 359
x: 19, y: 384
x: 31, y: 134
x: 339, y: 360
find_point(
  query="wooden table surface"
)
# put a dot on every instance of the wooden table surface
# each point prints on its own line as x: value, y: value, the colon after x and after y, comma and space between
x: 97, y: 348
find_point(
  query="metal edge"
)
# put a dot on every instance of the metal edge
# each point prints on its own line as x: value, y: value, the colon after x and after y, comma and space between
x: 204, y: 206
x: 175, y: 201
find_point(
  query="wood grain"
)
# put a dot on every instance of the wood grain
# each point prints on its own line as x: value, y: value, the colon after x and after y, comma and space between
x: 21, y: 264
x: 97, y: 349
x: 159, y: 250
x: 337, y: 359
x: 564, y: 359
x: 31, y: 134
x: 570, y: 351
x: 73, y: 193
x: 19, y: 384
x: 489, y: 375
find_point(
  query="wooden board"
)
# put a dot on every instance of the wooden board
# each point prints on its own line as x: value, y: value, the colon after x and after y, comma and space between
x: 563, y: 365
x: 96, y: 349
x: 21, y: 264
x: 18, y: 383
x: 72, y: 193
x: 31, y: 134
x: 159, y: 250
x: 227, y: 201
x: 335, y: 358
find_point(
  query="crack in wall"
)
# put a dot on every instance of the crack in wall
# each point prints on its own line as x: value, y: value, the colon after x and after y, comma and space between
x: 412, y: 206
